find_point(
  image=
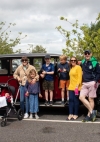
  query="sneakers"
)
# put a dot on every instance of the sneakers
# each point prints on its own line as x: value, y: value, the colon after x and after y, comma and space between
x: 31, y: 116
x: 36, y: 116
x: 86, y: 119
x: 91, y: 118
x: 51, y: 103
x: 62, y: 103
x: 93, y: 115
x: 46, y: 103
x: 26, y: 115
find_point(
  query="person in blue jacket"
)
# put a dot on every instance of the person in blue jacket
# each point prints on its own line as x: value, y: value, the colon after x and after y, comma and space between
x: 32, y: 91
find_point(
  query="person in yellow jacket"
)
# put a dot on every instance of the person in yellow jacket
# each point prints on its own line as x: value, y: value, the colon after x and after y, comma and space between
x: 74, y: 88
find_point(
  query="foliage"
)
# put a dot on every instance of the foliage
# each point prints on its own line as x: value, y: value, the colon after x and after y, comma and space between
x: 37, y: 49
x: 7, y: 43
x: 81, y: 38
x: 18, y: 51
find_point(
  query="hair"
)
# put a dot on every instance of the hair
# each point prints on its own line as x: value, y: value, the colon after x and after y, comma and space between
x: 24, y: 58
x: 70, y: 61
x: 64, y: 57
x: 29, y: 75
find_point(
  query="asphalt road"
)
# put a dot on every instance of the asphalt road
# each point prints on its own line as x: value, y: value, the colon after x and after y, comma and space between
x: 51, y: 127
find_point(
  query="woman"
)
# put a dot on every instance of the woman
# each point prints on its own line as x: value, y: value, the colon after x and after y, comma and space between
x: 21, y: 75
x: 75, y: 85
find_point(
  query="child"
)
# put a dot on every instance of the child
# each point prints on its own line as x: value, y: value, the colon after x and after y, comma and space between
x: 63, y: 69
x: 48, y: 83
x: 8, y: 96
x: 32, y: 90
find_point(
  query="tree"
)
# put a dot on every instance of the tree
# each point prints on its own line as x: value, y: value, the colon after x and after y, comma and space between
x: 37, y: 49
x: 7, y: 43
x: 81, y: 38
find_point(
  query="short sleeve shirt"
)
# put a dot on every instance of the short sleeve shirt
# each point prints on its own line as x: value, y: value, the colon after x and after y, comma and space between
x: 49, y: 68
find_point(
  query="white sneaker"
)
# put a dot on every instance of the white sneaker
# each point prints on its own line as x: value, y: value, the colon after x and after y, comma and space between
x: 26, y: 115
x: 36, y: 116
x: 31, y: 116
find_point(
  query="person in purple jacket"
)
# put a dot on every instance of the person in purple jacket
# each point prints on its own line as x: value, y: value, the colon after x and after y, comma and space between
x: 32, y: 90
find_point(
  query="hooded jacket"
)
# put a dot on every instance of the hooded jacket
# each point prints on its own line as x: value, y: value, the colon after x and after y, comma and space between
x: 91, y: 70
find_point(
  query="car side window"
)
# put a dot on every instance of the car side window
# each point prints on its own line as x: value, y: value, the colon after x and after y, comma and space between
x: 3, y: 66
x: 37, y: 62
x: 14, y: 64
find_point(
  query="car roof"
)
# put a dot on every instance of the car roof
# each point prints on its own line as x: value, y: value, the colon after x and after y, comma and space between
x: 28, y: 55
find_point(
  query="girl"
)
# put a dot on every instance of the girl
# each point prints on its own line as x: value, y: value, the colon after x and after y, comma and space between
x: 75, y: 85
x: 32, y: 90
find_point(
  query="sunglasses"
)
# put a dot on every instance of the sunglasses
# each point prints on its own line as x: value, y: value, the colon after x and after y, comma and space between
x: 24, y: 60
x: 73, y: 60
x: 86, y: 53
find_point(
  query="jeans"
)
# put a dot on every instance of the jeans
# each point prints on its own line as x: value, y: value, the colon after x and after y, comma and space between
x: 73, y: 103
x: 33, y: 103
x: 24, y: 98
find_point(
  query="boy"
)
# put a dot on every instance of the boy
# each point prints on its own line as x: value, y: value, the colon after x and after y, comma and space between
x: 63, y: 69
x: 48, y: 83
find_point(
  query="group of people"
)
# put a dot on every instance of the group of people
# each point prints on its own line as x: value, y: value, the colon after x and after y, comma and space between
x: 28, y: 79
x: 80, y: 81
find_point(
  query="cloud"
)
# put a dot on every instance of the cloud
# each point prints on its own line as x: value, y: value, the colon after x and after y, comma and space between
x: 38, y: 18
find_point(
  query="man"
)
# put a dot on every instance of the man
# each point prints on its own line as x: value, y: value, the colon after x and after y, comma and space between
x: 91, y: 75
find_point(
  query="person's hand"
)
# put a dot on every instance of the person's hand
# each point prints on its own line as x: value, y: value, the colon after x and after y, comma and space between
x: 44, y: 72
x: 95, y: 85
x: 33, y: 81
x: 26, y: 94
x: 19, y: 80
x: 59, y: 69
x: 76, y: 87
x: 40, y: 95
x: 42, y: 75
x: 64, y: 70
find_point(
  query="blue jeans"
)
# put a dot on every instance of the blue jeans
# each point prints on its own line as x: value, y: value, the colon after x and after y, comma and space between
x: 24, y: 98
x: 33, y: 103
x: 73, y: 103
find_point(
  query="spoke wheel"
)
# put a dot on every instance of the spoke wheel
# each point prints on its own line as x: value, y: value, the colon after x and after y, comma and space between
x: 20, y: 114
x: 3, y: 123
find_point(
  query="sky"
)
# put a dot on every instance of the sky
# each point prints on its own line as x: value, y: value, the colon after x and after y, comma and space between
x: 38, y: 20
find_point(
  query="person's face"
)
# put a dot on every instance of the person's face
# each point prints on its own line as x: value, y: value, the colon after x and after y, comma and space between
x: 47, y: 60
x: 73, y: 61
x: 87, y: 55
x: 62, y: 61
x: 32, y: 75
x: 24, y: 62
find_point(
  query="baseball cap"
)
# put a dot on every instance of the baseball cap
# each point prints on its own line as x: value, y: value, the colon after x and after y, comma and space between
x: 47, y: 56
x: 87, y: 51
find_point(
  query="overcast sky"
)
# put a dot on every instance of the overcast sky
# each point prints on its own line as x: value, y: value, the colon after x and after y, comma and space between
x: 38, y: 18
